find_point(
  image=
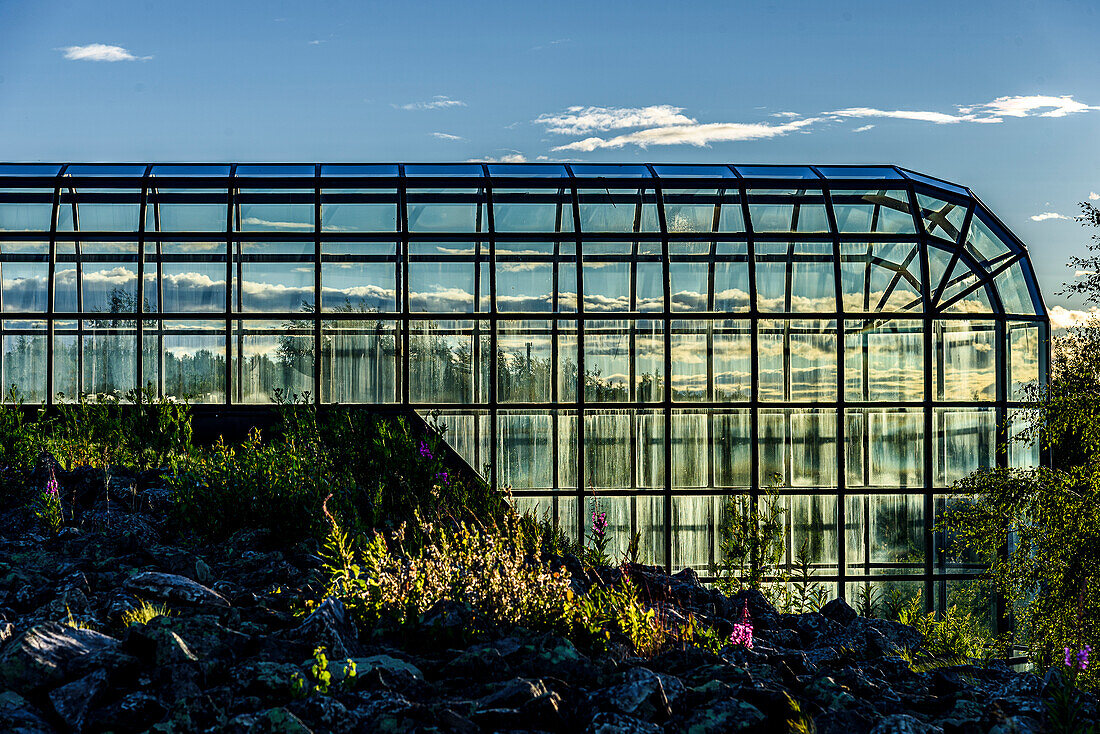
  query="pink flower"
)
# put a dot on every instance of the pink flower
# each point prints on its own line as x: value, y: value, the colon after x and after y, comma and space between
x: 742, y: 629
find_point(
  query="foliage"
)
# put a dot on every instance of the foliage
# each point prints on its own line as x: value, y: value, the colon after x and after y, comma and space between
x: 614, y: 610
x: 47, y: 507
x: 320, y: 676
x: 386, y: 581
x: 21, y: 437
x: 750, y: 540
x: 951, y: 637
x: 596, y: 554
x: 798, y: 592
x: 144, y: 613
x: 543, y: 537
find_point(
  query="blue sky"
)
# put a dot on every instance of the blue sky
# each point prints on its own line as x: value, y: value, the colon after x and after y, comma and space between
x: 1001, y: 96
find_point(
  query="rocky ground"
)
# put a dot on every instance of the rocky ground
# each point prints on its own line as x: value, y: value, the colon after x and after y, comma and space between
x: 227, y: 656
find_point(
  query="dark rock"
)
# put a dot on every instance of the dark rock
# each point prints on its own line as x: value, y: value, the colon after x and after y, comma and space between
x: 839, y: 611
x: 729, y: 715
x: 903, y: 724
x: 389, y: 665
x: 447, y: 618
x: 512, y: 694
x: 478, y: 664
x: 72, y: 701
x: 44, y: 654
x: 132, y: 713
x: 174, y: 589
x: 19, y: 717
x: 611, y: 723
x: 331, y: 626
x: 641, y: 695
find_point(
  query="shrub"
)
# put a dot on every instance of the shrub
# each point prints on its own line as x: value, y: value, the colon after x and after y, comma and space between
x: 484, y: 570
x: 750, y: 540
x: 951, y: 637
x: 143, y: 613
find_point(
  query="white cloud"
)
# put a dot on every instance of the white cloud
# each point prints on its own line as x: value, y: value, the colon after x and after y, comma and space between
x: 696, y: 134
x: 1047, y: 215
x: 863, y: 128
x: 447, y: 136
x: 1064, y: 318
x: 100, y: 52
x: 1025, y: 106
x: 513, y: 157
x: 939, y: 118
x: 1094, y: 196
x: 580, y: 120
x: 786, y: 114
x: 268, y: 224
x: 438, y: 102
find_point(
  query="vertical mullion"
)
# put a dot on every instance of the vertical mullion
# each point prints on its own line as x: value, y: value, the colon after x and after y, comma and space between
x: 494, y: 430
x: 555, y: 397
x: 579, y: 238
x: 51, y: 288
x: 403, y: 284
x: 754, y: 352
x: 841, y: 415
x: 79, y: 296
x: 928, y: 442
x: 230, y: 220
x: 139, y: 307
x: 317, y: 301
x: 160, y: 295
x: 666, y: 265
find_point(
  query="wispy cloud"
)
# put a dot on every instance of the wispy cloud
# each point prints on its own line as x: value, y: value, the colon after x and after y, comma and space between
x: 447, y: 136
x: 1047, y: 215
x: 668, y: 125
x: 698, y: 135
x: 580, y: 120
x: 100, y: 52
x: 1094, y: 196
x: 514, y: 157
x: 556, y: 42
x: 438, y: 102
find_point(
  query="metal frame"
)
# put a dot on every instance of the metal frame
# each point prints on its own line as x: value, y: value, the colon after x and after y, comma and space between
x: 887, y: 191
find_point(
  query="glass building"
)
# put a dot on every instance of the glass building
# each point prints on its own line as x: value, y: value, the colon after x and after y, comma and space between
x: 660, y: 336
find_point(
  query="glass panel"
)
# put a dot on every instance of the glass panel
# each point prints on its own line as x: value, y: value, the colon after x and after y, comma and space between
x: 884, y: 534
x: 609, y: 347
x: 193, y: 363
x: 99, y: 210
x: 1012, y: 286
x: 441, y: 287
x: 525, y: 456
x: 793, y: 210
x: 276, y: 211
x: 964, y: 366
x: 528, y: 170
x: 873, y: 211
x: 983, y: 244
x: 731, y: 279
x: 109, y: 357
x: 939, y: 183
x: 1022, y: 452
x: 523, y: 361
x: 24, y: 360
x: 731, y: 350
x: 694, y: 532
x: 797, y: 447
x: 559, y: 510
x: 525, y: 286
x: 23, y: 278
x: 690, y: 441
x: 965, y: 441
x: 884, y: 360
x: 941, y: 218
x: 65, y: 361
x: 607, y: 449
x: 535, y: 210
x: 688, y: 281
x: 879, y: 277
x: 618, y: 210
x: 270, y: 356
x: 1025, y: 348
x: 182, y: 210
x: 359, y: 170
x: 273, y: 171
x: 192, y: 277
x: 441, y: 362
x: 27, y: 216
x: 446, y: 210
x: 358, y: 211
x: 275, y: 276
x: 797, y: 360
x: 689, y: 360
x: 650, y: 427
x: 793, y: 172
x: 884, y: 448
x: 359, y: 361
x: 858, y: 172
x: 358, y: 286
x: 731, y: 438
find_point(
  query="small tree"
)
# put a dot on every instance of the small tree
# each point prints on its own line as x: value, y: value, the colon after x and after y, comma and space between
x: 750, y: 540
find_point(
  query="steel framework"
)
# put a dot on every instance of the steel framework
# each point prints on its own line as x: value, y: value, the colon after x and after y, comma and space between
x: 658, y: 337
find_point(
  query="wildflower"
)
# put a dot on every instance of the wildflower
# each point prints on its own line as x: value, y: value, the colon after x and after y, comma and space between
x: 742, y: 629
x: 424, y: 450
x: 1078, y: 659
x: 443, y: 477
x: 599, y: 523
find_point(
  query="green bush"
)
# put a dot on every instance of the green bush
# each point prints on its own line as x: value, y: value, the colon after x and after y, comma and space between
x: 951, y: 637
